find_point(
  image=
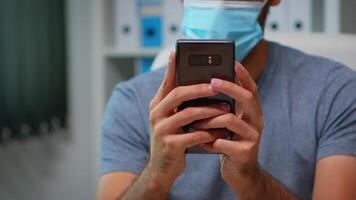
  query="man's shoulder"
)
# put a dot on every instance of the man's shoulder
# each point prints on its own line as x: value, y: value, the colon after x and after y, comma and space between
x: 303, y: 66
x: 144, y: 84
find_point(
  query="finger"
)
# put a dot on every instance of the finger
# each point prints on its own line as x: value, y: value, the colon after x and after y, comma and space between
x: 223, y: 134
x: 187, y: 140
x: 248, y: 104
x: 209, y: 147
x: 231, y: 122
x: 168, y: 82
x: 247, y: 82
x: 181, y: 94
x: 191, y: 114
x: 231, y: 148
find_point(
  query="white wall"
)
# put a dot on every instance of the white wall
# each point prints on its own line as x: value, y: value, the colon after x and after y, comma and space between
x: 62, y: 165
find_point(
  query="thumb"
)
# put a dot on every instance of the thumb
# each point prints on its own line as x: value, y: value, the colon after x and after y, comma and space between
x: 168, y: 82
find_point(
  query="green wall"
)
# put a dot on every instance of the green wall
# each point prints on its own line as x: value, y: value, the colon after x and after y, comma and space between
x: 32, y: 67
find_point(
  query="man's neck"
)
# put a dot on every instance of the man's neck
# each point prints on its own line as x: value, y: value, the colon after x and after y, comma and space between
x: 256, y: 61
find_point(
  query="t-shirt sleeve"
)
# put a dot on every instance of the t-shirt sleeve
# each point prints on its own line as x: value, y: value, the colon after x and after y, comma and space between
x: 125, y: 143
x: 338, y: 135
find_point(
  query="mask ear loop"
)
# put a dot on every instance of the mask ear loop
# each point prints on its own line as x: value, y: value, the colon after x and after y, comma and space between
x: 264, y: 3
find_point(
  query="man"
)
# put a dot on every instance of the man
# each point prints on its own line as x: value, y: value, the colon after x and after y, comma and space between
x: 296, y: 138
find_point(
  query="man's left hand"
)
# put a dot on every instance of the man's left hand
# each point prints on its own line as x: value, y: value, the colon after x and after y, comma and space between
x: 239, y: 166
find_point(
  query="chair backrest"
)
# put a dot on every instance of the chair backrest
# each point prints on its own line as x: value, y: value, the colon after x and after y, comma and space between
x: 341, y: 47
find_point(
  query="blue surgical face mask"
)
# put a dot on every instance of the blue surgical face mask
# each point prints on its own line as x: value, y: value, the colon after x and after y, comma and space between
x: 234, y: 20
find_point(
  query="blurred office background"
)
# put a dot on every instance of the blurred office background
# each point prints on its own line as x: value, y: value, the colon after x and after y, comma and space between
x: 59, y: 61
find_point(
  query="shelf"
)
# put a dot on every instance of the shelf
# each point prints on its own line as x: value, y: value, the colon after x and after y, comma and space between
x: 141, y: 53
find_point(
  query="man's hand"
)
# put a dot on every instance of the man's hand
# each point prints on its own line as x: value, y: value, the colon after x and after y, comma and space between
x: 168, y: 141
x: 240, y: 154
x: 239, y: 166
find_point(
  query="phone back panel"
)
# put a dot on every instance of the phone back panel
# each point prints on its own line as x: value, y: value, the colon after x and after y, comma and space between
x: 193, y: 66
x: 189, y: 75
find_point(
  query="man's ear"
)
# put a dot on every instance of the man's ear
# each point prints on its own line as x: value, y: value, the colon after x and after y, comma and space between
x: 274, y: 2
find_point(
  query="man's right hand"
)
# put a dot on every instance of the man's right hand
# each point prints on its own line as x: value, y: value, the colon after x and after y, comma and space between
x: 168, y: 141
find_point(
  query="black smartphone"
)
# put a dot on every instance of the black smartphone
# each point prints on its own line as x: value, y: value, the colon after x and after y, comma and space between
x: 198, y: 61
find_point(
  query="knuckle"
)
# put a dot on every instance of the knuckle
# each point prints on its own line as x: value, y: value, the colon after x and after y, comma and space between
x: 178, y: 93
x: 157, y: 137
x: 217, y: 143
x: 196, y: 112
x: 230, y: 86
x: 183, y: 92
x: 189, y: 112
x: 201, y: 90
x: 230, y: 118
x: 152, y: 120
x: 255, y: 136
x: 162, y: 128
x: 262, y: 124
x: 259, y: 125
x: 153, y: 116
x: 169, y: 144
x: 152, y: 104
x: 197, y: 137
x: 246, y: 149
x: 156, y: 132
x: 249, y: 96
x: 254, y: 88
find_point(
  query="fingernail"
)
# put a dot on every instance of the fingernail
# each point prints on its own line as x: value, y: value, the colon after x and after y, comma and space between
x: 215, y: 82
x: 225, y: 107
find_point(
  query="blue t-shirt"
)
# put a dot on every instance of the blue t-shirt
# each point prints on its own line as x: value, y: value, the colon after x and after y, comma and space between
x: 309, y: 106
